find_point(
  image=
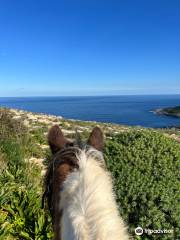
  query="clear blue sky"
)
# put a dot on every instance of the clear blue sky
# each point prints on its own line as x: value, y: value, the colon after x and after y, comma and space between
x: 88, y: 47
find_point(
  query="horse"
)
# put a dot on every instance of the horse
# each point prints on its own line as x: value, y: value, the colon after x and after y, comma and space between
x: 79, y: 190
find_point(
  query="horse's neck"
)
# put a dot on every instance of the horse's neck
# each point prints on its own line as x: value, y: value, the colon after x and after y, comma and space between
x: 89, y: 208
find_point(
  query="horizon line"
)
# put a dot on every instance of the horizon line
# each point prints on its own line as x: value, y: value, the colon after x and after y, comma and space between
x: 105, y: 95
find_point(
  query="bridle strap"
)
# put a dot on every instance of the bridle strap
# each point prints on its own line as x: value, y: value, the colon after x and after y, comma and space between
x: 60, y: 153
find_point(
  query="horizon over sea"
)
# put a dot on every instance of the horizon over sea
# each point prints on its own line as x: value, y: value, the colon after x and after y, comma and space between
x: 132, y: 110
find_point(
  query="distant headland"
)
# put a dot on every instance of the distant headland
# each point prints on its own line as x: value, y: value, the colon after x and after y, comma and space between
x: 170, y: 111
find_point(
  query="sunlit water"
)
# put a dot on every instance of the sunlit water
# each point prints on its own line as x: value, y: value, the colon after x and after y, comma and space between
x: 128, y: 110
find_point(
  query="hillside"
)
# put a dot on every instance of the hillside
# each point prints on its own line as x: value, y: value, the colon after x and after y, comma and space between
x: 144, y: 164
x: 170, y: 111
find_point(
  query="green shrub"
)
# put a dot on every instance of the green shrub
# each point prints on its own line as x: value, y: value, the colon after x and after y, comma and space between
x: 145, y: 166
x: 21, y: 216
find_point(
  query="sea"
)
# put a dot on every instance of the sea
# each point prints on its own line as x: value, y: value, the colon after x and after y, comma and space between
x: 136, y: 110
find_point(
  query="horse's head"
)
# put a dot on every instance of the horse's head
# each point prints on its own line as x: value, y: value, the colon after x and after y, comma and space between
x: 57, y: 141
x: 63, y: 161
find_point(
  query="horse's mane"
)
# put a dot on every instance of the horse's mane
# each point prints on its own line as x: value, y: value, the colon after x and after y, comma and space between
x: 74, y: 146
x: 79, y: 191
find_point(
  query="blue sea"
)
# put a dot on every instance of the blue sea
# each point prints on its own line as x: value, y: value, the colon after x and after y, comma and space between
x: 127, y: 110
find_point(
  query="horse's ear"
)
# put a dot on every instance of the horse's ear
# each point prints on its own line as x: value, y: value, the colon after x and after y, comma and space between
x: 96, y: 139
x: 56, y: 139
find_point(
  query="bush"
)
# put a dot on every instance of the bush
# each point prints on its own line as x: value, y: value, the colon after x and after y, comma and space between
x: 21, y: 216
x: 144, y: 165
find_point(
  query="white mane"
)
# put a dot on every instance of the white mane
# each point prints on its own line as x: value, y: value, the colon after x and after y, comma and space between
x: 88, y: 202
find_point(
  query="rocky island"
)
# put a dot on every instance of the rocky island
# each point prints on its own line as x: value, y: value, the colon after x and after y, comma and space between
x: 170, y: 111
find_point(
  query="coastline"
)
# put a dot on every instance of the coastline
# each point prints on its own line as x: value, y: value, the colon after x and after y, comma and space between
x: 169, y: 111
x: 34, y: 120
x: 121, y: 110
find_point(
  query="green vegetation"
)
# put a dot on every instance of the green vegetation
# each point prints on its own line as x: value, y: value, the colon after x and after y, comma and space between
x: 21, y: 216
x: 170, y: 111
x: 144, y: 165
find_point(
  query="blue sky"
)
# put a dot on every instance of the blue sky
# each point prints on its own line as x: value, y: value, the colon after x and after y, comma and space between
x: 89, y: 47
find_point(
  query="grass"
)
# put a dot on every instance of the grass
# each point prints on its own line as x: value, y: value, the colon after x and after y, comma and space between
x: 144, y: 165
x: 21, y: 216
